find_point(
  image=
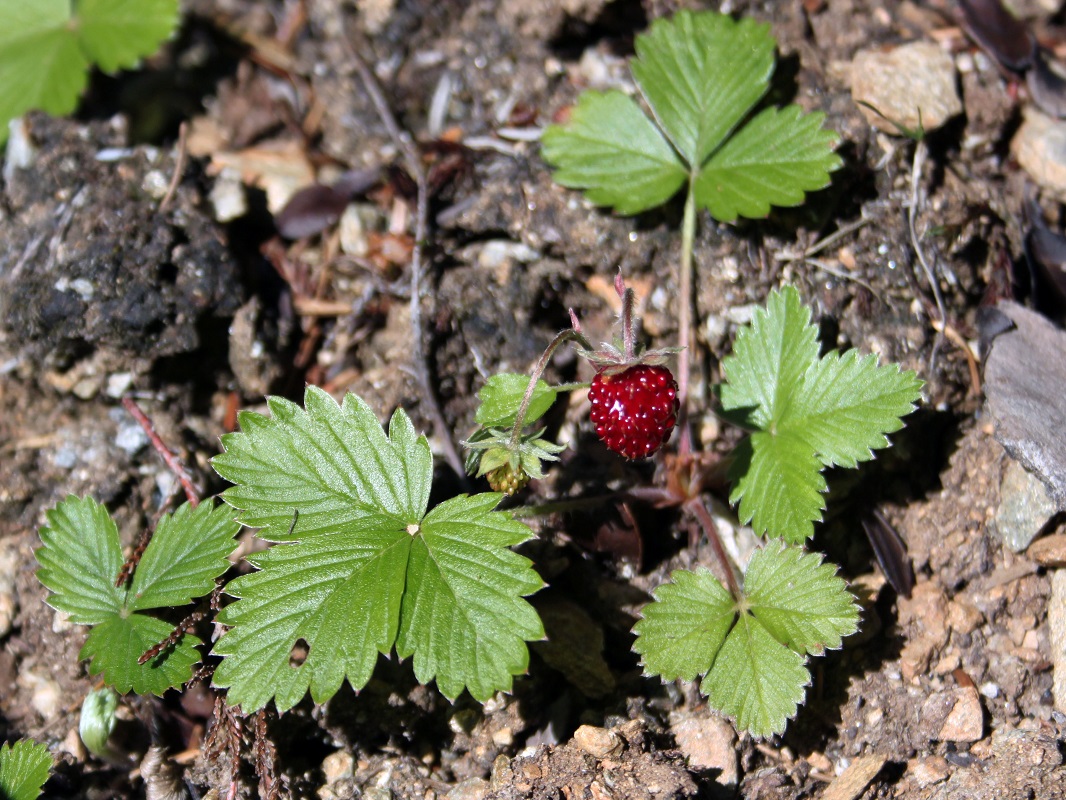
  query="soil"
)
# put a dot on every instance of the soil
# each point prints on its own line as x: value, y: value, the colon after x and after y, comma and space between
x: 107, y: 293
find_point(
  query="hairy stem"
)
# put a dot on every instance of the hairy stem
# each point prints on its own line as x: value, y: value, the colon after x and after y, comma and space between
x: 703, y: 516
x: 685, y: 301
x: 538, y: 369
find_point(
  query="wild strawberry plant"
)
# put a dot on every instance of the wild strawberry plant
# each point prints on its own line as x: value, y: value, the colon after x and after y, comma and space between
x: 701, y: 75
x: 80, y: 560
x: 749, y: 640
x: 48, y: 46
x: 24, y: 767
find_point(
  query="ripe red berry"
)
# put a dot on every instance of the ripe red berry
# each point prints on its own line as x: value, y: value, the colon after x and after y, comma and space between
x: 635, y: 410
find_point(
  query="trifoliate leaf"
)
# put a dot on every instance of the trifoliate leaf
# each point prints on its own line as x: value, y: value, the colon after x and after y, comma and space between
x: 117, y: 34
x: 807, y: 412
x: 750, y: 650
x: 80, y: 561
x: 701, y: 73
x: 615, y: 153
x: 772, y: 161
x: 502, y: 395
x: 24, y: 768
x: 368, y: 568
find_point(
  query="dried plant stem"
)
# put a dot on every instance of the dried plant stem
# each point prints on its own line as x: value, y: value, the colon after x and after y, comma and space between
x: 179, y: 167
x: 191, y: 494
x: 920, y: 151
x: 171, y: 460
x: 413, y: 163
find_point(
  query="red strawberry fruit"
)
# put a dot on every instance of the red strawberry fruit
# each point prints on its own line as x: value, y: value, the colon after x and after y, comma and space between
x: 634, y: 410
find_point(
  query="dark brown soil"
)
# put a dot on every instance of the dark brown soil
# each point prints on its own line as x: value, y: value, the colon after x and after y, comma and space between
x: 103, y: 293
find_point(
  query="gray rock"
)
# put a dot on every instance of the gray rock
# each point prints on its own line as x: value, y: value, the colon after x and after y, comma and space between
x: 1024, y: 508
x: 1025, y: 376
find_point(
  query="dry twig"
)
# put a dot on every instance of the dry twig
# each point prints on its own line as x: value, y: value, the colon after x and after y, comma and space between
x: 179, y: 167
x: 413, y: 163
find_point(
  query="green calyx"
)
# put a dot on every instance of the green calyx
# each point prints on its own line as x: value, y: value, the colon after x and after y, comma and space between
x: 508, y: 468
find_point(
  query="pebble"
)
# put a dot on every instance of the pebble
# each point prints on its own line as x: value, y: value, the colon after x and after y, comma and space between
x: 227, y: 196
x: 852, y: 782
x: 45, y: 695
x: 1056, y: 618
x: 1040, y: 147
x: 470, y: 789
x: 1024, y: 376
x: 708, y: 742
x: 9, y: 565
x: 598, y: 742
x: 337, y: 766
x: 929, y: 770
x: 1049, y: 551
x: 911, y: 85
x: 1024, y: 508
x: 953, y: 715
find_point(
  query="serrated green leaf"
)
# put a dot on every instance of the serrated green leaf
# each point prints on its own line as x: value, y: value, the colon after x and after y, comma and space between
x: 187, y: 553
x: 41, y: 65
x: 24, y: 768
x: 333, y: 463
x: 750, y: 649
x: 612, y: 151
x: 118, y: 642
x: 681, y: 633
x: 779, y: 484
x: 502, y: 395
x: 772, y: 161
x: 807, y: 412
x: 847, y: 405
x: 756, y: 680
x: 770, y: 357
x: 701, y: 73
x: 117, y: 34
x: 46, y: 47
x: 80, y: 561
x: 802, y: 602
x: 463, y: 617
x: 442, y: 587
x: 340, y: 593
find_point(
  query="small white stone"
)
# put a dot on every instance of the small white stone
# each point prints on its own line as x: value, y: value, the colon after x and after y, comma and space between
x: 227, y: 196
